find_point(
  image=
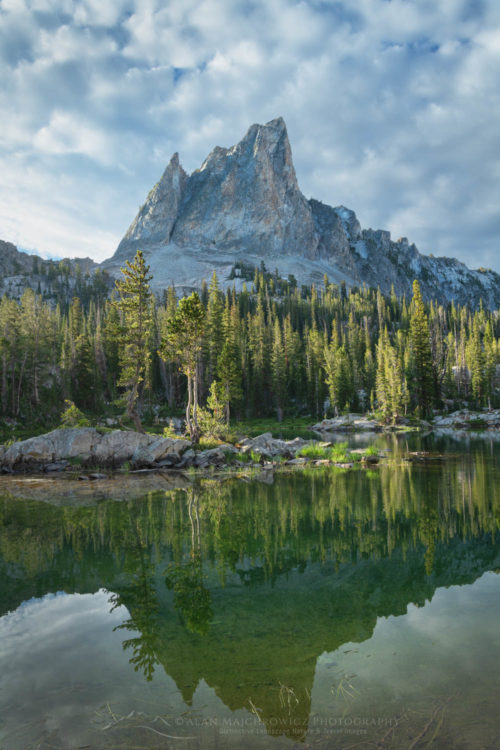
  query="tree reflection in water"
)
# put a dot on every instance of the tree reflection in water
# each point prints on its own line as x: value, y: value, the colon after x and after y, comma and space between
x: 244, y: 584
x: 140, y: 595
x: 192, y: 599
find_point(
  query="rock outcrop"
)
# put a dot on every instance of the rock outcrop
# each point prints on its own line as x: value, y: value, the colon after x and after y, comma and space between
x: 348, y: 422
x: 268, y: 447
x: 88, y: 447
x: 244, y: 205
x: 463, y: 418
x: 58, y: 448
x: 55, y: 280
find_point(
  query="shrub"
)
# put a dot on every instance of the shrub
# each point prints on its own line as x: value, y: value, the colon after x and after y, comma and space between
x: 314, y: 451
x: 72, y: 416
x: 206, y: 443
x: 169, y: 431
x: 339, y: 453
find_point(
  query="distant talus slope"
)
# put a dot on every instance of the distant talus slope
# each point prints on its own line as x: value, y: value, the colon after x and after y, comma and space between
x: 244, y: 205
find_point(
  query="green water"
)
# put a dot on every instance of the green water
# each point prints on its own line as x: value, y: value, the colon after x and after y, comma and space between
x: 314, y: 609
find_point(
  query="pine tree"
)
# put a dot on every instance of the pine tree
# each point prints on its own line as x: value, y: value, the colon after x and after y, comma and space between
x: 111, y: 336
x: 390, y: 384
x: 229, y: 374
x: 490, y: 362
x: 314, y: 363
x: 184, y: 340
x: 258, y: 343
x: 422, y: 368
x: 213, y: 328
x: 278, y: 370
x: 293, y: 351
x: 476, y: 362
x: 135, y: 308
x: 338, y: 372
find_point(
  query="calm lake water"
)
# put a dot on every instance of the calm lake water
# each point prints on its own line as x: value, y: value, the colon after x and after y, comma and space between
x: 317, y: 609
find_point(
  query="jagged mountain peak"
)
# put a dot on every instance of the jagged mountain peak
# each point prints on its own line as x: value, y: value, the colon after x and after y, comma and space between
x: 269, y: 134
x: 244, y: 205
x: 154, y: 223
x: 269, y: 141
x: 173, y: 167
x: 263, y: 143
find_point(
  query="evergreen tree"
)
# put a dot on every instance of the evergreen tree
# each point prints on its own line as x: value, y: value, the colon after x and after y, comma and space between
x: 278, y: 370
x: 213, y: 328
x: 184, y: 340
x: 338, y: 372
x: 314, y: 364
x: 258, y: 343
x: 111, y: 337
x: 293, y: 351
x: 135, y: 308
x: 422, y: 367
x: 476, y: 362
x: 391, y: 387
x: 229, y: 374
x: 489, y: 362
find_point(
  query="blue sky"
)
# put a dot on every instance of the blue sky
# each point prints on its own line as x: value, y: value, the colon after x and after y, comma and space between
x: 392, y: 108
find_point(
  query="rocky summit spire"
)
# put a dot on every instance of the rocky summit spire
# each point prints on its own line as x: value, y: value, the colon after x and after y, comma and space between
x: 244, y: 206
x: 246, y: 198
x: 156, y: 218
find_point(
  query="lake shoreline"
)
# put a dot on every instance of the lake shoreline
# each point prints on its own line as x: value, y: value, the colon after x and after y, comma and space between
x: 87, y: 452
x: 73, y: 488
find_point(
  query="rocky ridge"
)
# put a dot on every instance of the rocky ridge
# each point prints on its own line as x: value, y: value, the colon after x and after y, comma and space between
x: 55, y: 280
x: 244, y: 204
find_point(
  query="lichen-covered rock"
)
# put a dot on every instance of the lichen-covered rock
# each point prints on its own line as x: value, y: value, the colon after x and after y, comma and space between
x: 56, y: 466
x: 119, y: 446
x: 53, y: 446
x: 90, y: 446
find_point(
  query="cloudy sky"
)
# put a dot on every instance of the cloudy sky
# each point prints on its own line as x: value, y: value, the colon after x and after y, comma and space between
x: 392, y: 108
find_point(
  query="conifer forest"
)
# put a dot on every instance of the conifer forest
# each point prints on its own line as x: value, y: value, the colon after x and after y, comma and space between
x: 271, y: 349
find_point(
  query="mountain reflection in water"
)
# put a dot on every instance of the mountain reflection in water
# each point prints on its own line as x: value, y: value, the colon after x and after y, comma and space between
x: 244, y: 585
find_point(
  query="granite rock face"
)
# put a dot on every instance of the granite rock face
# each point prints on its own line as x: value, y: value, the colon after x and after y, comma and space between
x: 244, y: 205
x: 155, y: 221
x: 90, y: 446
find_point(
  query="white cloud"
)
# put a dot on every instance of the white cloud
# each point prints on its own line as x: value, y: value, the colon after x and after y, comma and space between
x: 391, y: 109
x: 68, y: 134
